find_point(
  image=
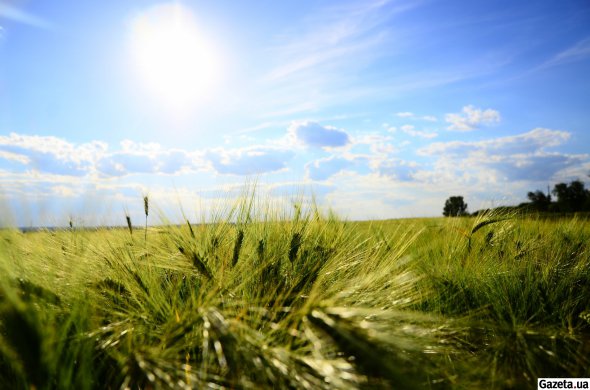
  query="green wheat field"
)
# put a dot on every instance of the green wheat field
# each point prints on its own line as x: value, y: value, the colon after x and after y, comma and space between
x: 259, y: 297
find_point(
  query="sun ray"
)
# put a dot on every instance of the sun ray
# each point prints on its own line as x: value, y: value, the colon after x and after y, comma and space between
x: 174, y: 61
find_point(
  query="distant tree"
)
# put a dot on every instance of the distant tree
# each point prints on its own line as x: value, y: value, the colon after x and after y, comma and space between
x: 572, y: 197
x: 539, y: 201
x: 455, y: 206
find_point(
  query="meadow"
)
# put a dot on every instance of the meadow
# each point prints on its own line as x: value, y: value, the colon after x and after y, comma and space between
x: 262, y: 298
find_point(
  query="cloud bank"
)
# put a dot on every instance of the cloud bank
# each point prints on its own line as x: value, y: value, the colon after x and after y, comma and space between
x: 249, y: 161
x: 523, y: 157
x: 53, y: 155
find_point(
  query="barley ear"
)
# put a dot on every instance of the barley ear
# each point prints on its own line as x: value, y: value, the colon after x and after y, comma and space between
x: 128, y: 218
x: 146, y: 209
x: 237, y: 247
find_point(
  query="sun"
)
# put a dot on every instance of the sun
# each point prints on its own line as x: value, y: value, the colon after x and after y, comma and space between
x: 172, y: 58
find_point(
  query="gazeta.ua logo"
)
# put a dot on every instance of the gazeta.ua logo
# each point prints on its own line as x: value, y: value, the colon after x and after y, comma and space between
x: 563, y: 383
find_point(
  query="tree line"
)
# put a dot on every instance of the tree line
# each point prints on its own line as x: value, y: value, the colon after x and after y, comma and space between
x: 567, y: 198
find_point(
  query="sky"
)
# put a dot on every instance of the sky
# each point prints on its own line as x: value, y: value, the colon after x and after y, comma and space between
x: 375, y: 109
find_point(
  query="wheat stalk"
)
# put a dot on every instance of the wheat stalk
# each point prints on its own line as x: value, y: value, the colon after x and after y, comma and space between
x: 128, y: 219
x: 146, y: 209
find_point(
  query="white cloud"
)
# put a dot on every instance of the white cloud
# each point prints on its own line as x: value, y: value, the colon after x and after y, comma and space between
x: 472, y: 118
x: 389, y: 197
x: 298, y: 190
x: 368, y: 145
x: 137, y: 158
x: 537, y: 167
x: 371, y: 139
x: 313, y: 134
x: 249, y: 161
x: 14, y: 157
x: 397, y: 169
x: 52, y: 155
x: 325, y: 168
x: 530, y: 142
x: 411, y: 130
x: 64, y: 191
x: 177, y: 161
x: 411, y: 115
x: 522, y: 157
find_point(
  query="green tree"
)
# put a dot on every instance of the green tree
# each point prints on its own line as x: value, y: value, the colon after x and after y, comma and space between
x: 539, y: 201
x: 455, y: 206
x: 572, y: 197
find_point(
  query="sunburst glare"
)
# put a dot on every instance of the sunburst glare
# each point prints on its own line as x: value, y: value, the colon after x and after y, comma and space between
x: 173, y: 59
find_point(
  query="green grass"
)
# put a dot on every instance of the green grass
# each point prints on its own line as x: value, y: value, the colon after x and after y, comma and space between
x: 259, y: 299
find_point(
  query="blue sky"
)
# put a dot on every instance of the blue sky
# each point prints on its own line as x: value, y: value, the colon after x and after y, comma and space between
x: 382, y: 109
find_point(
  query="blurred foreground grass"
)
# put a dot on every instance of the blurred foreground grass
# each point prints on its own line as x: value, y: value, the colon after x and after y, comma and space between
x: 257, y: 299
